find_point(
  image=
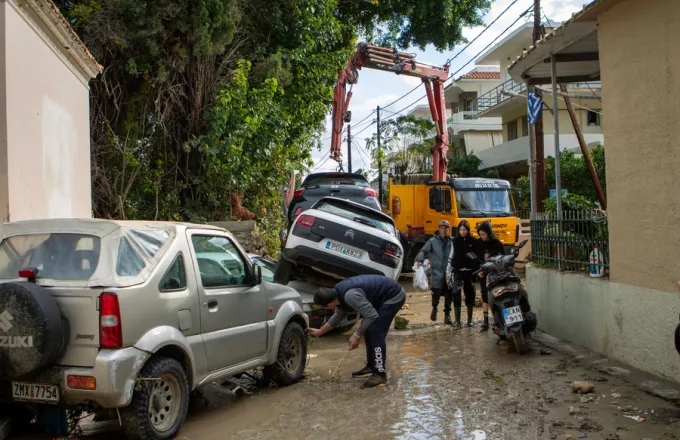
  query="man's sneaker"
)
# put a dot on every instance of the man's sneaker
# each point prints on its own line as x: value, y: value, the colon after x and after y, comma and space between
x: 366, y: 371
x: 447, y: 319
x: 484, y: 327
x: 375, y: 380
x: 433, y: 315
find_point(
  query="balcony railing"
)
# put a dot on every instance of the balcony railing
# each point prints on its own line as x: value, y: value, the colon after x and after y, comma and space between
x: 509, y: 88
x: 459, y: 117
x: 496, y: 95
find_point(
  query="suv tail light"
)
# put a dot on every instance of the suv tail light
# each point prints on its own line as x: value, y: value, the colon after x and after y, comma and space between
x: 393, y: 249
x: 370, y: 192
x: 110, y: 329
x: 298, y: 192
x: 306, y: 220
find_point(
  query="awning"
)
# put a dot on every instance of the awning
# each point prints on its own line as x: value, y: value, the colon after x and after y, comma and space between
x: 575, y: 46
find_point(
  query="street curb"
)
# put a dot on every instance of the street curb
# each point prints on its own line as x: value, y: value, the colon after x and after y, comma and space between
x: 647, y: 382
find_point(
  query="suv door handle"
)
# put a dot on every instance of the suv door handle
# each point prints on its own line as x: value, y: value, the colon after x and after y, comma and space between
x: 212, y: 305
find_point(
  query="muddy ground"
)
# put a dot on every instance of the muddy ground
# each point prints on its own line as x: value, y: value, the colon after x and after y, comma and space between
x: 444, y: 384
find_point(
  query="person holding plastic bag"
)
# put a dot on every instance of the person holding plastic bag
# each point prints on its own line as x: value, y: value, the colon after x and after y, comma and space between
x: 420, y: 282
x: 439, y: 248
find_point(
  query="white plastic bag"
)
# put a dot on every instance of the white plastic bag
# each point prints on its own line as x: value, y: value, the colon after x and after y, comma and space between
x: 420, y: 280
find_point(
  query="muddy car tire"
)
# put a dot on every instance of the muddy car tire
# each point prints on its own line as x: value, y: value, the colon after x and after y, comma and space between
x: 160, y: 402
x: 32, y: 332
x: 284, y: 271
x: 291, y: 359
x: 20, y: 417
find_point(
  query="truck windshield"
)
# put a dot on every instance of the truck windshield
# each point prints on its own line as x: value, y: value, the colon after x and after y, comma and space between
x: 484, y: 202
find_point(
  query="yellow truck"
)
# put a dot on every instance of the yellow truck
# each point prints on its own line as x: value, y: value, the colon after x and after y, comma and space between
x: 417, y: 206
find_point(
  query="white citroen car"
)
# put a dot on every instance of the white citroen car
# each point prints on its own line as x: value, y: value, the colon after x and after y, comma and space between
x: 340, y: 238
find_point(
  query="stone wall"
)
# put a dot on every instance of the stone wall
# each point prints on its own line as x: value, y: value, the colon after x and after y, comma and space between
x: 246, y: 234
x: 628, y: 323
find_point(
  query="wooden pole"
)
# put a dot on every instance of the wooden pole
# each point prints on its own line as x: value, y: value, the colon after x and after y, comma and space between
x: 584, y: 150
x: 541, y: 190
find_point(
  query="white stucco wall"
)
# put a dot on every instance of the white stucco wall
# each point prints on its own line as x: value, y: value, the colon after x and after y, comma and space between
x: 48, y: 133
x: 631, y: 324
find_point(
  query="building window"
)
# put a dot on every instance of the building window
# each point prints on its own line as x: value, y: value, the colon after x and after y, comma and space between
x: 592, y: 118
x: 469, y: 105
x: 512, y: 130
x: 525, y: 126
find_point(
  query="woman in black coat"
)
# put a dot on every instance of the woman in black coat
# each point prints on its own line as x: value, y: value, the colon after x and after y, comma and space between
x: 461, y: 270
x: 487, y: 245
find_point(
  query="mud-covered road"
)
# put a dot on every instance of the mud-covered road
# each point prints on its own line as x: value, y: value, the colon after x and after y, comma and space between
x: 447, y: 384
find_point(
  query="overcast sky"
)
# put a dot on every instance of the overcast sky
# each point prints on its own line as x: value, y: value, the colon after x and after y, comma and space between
x: 380, y: 88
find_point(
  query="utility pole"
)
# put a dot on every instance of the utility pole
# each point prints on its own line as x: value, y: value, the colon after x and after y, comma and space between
x: 380, y: 172
x: 349, y: 148
x: 539, y: 150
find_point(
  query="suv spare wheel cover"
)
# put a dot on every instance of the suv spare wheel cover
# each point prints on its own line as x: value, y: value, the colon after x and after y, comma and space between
x: 31, y: 329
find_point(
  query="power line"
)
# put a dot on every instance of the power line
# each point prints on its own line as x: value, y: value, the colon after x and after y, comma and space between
x: 486, y: 28
x: 320, y: 165
x: 473, y: 58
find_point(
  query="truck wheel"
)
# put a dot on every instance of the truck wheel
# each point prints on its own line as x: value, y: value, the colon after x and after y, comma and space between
x: 160, y: 404
x: 284, y: 271
x: 291, y: 359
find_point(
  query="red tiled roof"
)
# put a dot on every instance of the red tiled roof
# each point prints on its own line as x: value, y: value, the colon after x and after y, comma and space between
x: 477, y: 74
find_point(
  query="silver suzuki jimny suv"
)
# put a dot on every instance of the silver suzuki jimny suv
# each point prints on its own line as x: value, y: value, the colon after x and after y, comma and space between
x: 135, y: 316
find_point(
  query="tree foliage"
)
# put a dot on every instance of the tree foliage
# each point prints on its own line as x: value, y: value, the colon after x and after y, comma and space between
x: 575, y: 176
x: 202, y: 98
x: 468, y: 166
x: 405, y: 144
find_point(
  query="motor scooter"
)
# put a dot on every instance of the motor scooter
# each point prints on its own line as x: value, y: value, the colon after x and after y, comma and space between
x: 508, y: 300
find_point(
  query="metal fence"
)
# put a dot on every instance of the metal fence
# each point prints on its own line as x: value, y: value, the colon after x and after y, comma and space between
x: 576, y: 242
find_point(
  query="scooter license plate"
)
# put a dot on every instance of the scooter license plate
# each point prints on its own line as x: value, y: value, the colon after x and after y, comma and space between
x: 513, y: 315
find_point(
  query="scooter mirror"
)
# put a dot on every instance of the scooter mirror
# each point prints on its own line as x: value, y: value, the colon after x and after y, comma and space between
x: 471, y: 255
x: 522, y: 243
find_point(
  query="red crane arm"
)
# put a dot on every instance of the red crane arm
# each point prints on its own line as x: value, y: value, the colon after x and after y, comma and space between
x: 389, y: 60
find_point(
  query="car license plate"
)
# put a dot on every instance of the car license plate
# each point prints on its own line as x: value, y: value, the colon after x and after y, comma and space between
x: 344, y: 250
x: 513, y: 315
x: 35, y: 392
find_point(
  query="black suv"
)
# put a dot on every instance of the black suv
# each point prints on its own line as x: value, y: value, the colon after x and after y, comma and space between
x: 316, y: 186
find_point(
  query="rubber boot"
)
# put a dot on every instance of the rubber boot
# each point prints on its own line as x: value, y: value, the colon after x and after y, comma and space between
x: 469, y: 321
x: 485, y: 325
x: 457, y: 313
x: 447, y: 319
x: 433, y: 315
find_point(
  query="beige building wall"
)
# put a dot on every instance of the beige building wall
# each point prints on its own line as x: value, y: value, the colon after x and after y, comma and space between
x: 476, y: 141
x: 640, y: 65
x: 47, y: 123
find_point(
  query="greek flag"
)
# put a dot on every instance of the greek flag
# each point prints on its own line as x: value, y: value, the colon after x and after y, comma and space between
x: 534, y: 107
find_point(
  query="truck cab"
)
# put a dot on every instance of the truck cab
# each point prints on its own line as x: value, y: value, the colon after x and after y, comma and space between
x: 417, y: 208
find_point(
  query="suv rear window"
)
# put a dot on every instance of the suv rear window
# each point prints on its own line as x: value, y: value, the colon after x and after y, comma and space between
x: 57, y: 256
x: 351, y: 212
x: 334, y: 179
